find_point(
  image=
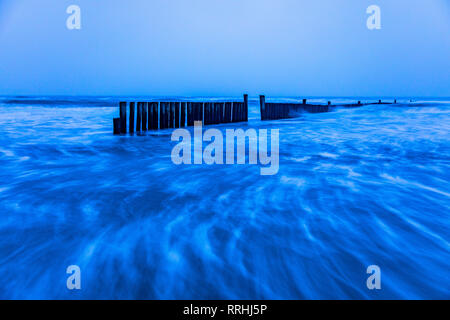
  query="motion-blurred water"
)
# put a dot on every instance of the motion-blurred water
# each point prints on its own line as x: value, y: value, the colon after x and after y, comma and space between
x: 356, y: 187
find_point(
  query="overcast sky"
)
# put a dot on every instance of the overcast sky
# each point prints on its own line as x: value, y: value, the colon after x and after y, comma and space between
x: 225, y: 47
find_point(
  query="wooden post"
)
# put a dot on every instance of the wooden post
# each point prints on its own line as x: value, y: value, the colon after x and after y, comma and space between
x: 194, y: 112
x: 206, y: 115
x: 222, y: 112
x: 131, y: 119
x: 219, y: 112
x: 359, y: 103
x: 155, y: 115
x: 240, y: 111
x: 262, y: 107
x: 116, y: 124
x: 139, y: 117
x: 215, y: 113
x: 144, y: 116
x: 329, y: 103
x: 190, y: 118
x: 150, y: 116
x: 245, y: 108
x: 197, y: 111
x: 304, y: 101
x: 212, y: 113
x: 123, y: 117
x: 172, y: 115
x: 395, y: 101
x: 161, y: 115
x: 166, y: 114
x: 152, y: 111
x: 379, y: 101
x: 177, y: 114
x: 228, y: 109
x: 183, y: 115
x: 200, y: 112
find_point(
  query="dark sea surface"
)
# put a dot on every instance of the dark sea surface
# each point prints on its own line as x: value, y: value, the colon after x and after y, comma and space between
x: 356, y: 187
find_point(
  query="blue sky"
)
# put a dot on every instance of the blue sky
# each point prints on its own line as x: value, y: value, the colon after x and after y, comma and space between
x: 218, y: 47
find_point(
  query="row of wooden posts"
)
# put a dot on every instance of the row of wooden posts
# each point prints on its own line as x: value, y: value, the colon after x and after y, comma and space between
x: 274, y: 111
x: 165, y: 115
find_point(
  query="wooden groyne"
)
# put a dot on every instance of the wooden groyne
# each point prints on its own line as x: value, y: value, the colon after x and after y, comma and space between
x: 144, y: 116
x: 276, y: 111
x: 166, y: 115
x: 359, y: 104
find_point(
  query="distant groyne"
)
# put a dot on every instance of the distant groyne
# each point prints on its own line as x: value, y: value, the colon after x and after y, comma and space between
x: 275, y: 111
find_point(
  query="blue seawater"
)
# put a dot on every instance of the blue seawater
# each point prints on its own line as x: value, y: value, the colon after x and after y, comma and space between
x: 356, y: 187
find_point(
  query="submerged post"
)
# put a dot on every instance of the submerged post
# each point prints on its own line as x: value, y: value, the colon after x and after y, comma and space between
x: 329, y: 103
x: 131, y: 119
x: 123, y: 117
x: 379, y: 101
x: 262, y: 107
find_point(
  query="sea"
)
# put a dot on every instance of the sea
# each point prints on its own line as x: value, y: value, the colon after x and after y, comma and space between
x: 356, y: 187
